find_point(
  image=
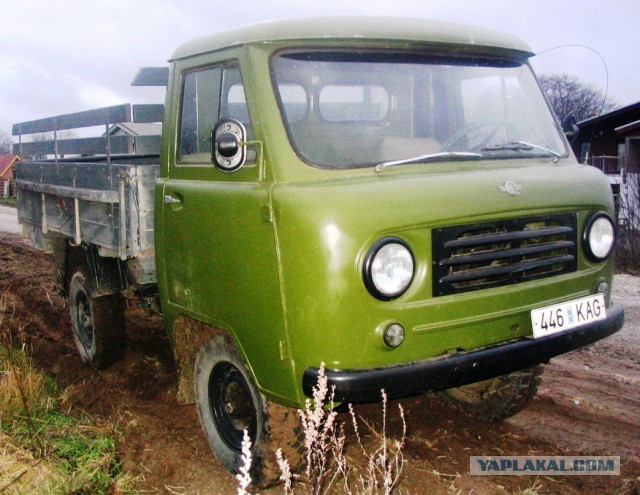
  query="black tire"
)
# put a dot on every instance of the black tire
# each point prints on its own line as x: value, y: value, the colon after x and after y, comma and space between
x: 497, y: 398
x: 229, y: 402
x: 97, y: 323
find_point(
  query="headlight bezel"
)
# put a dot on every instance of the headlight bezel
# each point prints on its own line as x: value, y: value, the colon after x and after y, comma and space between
x: 587, y: 246
x: 368, y: 268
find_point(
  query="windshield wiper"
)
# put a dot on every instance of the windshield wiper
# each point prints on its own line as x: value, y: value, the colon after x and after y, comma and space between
x: 442, y: 155
x: 521, y: 146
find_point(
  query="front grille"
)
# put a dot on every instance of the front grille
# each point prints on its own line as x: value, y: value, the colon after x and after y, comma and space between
x: 493, y: 254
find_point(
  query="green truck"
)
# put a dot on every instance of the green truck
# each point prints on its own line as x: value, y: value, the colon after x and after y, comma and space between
x: 391, y: 197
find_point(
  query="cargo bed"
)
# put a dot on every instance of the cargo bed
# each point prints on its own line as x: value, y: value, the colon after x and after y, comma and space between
x: 109, y: 206
x: 104, y: 200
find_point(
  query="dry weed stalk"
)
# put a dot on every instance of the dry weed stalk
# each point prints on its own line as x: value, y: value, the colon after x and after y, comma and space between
x: 321, y: 436
x: 385, y: 463
x: 285, y: 472
x: 325, y: 443
x: 244, y: 476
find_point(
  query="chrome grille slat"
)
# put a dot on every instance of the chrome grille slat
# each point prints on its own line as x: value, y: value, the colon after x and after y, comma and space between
x: 477, y: 258
x: 492, y: 254
x: 509, y: 269
x: 490, y: 239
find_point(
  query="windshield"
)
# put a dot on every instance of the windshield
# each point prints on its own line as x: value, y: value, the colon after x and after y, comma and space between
x: 350, y: 110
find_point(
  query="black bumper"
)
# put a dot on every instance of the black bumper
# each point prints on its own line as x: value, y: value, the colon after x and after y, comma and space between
x: 461, y: 368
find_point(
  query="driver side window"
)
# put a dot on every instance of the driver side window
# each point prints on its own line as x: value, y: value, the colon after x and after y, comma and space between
x: 208, y: 95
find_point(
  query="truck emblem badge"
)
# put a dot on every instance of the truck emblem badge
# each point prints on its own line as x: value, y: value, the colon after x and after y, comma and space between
x: 511, y: 188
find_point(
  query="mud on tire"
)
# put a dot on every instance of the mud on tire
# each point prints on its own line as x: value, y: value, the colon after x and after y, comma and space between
x: 229, y: 402
x: 497, y: 398
x: 97, y: 322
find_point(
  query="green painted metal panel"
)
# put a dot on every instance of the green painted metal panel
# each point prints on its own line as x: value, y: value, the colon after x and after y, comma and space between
x: 362, y: 29
x: 325, y: 229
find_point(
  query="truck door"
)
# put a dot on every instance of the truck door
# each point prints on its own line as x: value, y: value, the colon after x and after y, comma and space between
x: 217, y: 253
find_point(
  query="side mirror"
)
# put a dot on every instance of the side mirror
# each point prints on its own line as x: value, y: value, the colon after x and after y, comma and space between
x: 228, y: 150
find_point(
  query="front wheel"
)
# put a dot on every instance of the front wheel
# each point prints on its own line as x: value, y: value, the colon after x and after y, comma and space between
x: 230, y: 403
x: 97, y: 323
x: 497, y: 398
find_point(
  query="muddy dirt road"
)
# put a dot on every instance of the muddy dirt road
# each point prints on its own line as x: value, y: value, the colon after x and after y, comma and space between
x: 9, y: 220
x: 589, y: 403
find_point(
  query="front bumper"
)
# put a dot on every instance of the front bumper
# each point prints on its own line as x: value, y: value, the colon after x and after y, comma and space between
x: 453, y: 370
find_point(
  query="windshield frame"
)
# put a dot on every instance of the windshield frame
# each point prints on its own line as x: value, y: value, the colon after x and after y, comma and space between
x: 435, y: 54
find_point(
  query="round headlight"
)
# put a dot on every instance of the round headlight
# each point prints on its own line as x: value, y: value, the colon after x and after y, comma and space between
x: 599, y: 236
x: 388, y: 268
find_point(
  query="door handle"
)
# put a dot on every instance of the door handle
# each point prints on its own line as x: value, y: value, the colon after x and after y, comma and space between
x: 170, y: 200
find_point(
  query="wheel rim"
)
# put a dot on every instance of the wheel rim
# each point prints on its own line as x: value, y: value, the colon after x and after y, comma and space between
x: 232, y: 408
x: 84, y: 320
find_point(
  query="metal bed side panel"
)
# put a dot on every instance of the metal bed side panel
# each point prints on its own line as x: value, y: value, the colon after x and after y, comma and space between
x: 83, y: 201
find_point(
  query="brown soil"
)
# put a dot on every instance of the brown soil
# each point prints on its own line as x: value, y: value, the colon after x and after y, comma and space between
x: 588, y: 404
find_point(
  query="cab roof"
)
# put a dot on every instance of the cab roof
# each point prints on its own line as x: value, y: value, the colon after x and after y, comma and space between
x: 366, y: 29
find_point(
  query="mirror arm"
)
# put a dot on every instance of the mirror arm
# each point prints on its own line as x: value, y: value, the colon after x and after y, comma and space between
x: 259, y: 158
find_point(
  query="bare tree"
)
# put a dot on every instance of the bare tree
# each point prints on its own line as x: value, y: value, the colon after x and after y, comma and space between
x: 628, y: 248
x: 570, y: 97
x: 50, y: 136
x: 5, y: 142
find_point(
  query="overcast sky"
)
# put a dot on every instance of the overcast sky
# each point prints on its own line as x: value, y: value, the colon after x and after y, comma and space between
x: 63, y: 56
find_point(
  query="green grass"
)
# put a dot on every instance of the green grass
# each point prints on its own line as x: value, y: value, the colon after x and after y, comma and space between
x: 42, y: 449
x: 84, y: 455
x: 8, y: 201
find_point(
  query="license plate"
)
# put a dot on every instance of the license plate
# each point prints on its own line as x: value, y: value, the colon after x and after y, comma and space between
x: 566, y: 315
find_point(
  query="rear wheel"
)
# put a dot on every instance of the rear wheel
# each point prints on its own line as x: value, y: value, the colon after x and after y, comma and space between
x: 230, y: 403
x: 97, y: 323
x: 497, y: 398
